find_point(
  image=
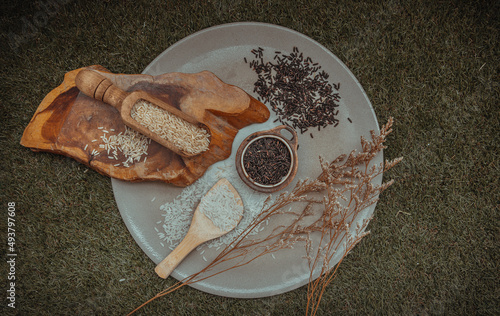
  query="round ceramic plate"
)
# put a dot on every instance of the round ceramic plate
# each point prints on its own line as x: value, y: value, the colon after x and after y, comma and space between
x: 222, y: 50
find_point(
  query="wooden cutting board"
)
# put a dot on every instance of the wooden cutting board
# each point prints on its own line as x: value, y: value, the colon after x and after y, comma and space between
x: 69, y: 123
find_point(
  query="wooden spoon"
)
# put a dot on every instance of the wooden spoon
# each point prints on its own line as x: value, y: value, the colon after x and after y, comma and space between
x: 101, y: 88
x: 202, y: 229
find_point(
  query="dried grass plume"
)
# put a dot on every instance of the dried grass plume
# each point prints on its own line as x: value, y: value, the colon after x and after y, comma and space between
x: 327, y: 226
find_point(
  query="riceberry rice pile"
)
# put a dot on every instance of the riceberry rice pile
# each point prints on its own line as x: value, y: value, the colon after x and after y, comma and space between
x: 267, y: 161
x: 296, y: 89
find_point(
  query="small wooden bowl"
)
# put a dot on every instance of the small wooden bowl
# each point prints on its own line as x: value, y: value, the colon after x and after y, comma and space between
x: 291, y: 145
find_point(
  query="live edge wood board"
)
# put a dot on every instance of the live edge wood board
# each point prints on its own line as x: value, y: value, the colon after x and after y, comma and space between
x: 67, y: 121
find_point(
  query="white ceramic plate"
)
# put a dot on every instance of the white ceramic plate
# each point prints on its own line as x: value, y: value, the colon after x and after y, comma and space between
x: 221, y: 50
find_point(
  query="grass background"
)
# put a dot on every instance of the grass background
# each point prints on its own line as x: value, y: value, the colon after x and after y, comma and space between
x: 432, y: 65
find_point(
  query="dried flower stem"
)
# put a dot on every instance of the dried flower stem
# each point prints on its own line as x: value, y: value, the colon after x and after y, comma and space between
x: 347, y: 186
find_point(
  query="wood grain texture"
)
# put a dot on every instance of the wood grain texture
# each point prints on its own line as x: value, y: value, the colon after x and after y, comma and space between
x: 67, y: 121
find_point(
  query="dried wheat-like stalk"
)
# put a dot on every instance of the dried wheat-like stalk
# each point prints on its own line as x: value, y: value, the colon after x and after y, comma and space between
x: 346, y: 187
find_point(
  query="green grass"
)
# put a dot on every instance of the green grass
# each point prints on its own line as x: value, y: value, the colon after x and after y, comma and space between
x: 432, y: 65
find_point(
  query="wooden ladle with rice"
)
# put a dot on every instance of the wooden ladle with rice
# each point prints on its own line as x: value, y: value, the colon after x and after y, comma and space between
x: 150, y: 116
x: 219, y: 212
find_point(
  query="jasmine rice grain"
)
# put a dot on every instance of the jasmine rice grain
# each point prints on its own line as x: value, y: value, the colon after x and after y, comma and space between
x: 184, y: 135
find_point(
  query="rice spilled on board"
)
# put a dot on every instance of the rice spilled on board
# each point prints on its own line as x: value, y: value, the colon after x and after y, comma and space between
x: 126, y: 147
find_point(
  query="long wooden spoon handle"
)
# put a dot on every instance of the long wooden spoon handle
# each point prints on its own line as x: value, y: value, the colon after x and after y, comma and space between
x: 100, y: 88
x: 164, y: 268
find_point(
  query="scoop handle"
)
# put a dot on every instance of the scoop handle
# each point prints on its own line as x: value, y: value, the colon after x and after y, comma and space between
x: 164, y: 268
x: 100, y: 88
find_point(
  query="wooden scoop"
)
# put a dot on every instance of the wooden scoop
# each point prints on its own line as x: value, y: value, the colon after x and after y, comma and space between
x: 202, y: 229
x: 101, y: 88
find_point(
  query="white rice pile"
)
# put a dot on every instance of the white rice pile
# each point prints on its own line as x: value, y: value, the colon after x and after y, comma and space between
x: 177, y: 214
x: 222, y: 207
x: 184, y: 135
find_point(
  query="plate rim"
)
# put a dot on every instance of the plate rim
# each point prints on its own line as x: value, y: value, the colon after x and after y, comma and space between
x: 204, y: 286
